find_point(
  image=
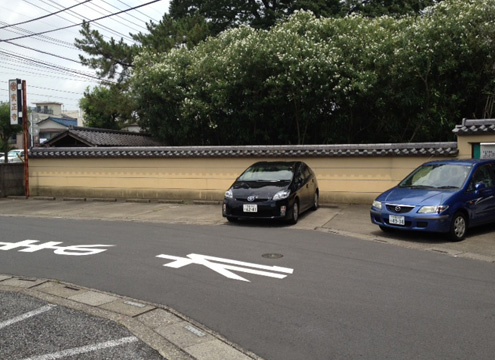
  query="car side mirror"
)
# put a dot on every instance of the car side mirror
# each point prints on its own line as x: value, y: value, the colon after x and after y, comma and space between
x: 479, y: 186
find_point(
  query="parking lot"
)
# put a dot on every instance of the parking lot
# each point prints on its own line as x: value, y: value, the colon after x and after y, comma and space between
x: 35, y: 329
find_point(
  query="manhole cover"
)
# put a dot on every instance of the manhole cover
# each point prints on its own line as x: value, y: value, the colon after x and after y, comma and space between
x: 272, y: 256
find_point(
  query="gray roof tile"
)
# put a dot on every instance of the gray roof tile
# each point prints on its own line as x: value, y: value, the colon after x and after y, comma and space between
x: 475, y: 127
x: 102, y: 137
x: 365, y: 150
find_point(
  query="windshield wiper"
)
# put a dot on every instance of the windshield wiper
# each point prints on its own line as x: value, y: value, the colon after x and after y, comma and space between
x: 418, y: 186
x: 448, y: 187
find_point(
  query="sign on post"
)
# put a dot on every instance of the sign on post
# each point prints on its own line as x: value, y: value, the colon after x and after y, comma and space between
x: 15, y: 100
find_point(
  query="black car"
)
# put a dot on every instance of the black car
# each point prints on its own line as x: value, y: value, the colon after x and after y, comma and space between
x: 272, y: 190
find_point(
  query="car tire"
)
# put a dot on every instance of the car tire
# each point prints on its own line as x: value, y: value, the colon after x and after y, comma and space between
x: 316, y: 201
x: 232, y: 219
x: 294, y: 213
x: 458, y: 227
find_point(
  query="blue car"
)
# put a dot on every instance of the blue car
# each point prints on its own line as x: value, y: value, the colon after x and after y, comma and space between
x: 446, y: 196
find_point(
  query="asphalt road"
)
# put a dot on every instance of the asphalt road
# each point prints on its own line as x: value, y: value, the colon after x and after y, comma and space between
x: 279, y: 292
x: 34, y: 329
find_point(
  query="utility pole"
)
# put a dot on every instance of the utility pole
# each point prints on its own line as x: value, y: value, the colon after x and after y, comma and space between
x: 25, y: 133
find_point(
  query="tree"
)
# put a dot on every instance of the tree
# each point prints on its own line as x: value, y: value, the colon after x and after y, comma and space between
x: 6, y: 130
x: 323, y: 80
x: 228, y: 14
x: 110, y: 58
x: 108, y: 107
x: 114, y: 59
x: 192, y: 21
x: 375, y: 8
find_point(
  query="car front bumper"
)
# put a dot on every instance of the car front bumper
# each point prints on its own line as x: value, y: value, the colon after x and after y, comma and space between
x: 264, y: 210
x: 412, y: 221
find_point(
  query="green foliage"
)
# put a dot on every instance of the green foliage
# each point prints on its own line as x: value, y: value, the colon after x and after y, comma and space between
x: 323, y: 80
x: 108, y: 107
x: 111, y: 59
x: 6, y: 130
x: 375, y: 8
x: 228, y: 14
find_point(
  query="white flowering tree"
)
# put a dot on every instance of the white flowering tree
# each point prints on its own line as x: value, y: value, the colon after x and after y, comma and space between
x: 324, y: 80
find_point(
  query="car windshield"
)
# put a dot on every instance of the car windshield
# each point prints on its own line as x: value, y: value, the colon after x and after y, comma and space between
x: 268, y: 173
x: 437, y: 176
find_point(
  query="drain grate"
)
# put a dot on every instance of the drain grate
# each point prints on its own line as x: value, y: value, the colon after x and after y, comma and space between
x: 272, y: 256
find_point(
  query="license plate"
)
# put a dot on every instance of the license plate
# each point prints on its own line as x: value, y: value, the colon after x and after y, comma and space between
x: 251, y: 208
x: 397, y: 220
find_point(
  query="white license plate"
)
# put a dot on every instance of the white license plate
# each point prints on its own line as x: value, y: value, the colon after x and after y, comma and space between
x: 251, y: 208
x: 397, y: 220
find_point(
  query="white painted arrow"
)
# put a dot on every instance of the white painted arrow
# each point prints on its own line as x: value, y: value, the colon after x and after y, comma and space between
x: 223, y: 266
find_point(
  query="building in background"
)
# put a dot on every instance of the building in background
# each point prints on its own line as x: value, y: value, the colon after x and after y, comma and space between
x: 48, y: 119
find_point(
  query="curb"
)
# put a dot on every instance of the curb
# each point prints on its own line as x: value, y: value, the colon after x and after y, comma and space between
x: 171, y: 334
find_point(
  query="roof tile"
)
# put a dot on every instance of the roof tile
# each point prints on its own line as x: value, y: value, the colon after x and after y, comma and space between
x: 273, y: 151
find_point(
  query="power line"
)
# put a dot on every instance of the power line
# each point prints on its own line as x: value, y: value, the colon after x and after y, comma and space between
x: 138, y: 19
x: 26, y: 65
x: 72, y: 22
x: 43, y: 52
x: 70, y: 26
x: 137, y: 11
x: 45, y: 16
x: 57, y: 67
x: 42, y: 37
x: 99, y: 12
x: 45, y: 74
x: 79, y: 16
x: 64, y: 91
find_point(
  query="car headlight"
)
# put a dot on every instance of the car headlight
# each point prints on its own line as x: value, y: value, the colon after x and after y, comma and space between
x: 282, y: 194
x: 433, y: 209
x: 229, y: 194
x: 377, y: 205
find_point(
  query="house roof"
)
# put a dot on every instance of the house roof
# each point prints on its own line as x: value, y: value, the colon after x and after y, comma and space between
x: 447, y: 149
x: 475, y: 127
x: 76, y: 136
x: 66, y: 121
x: 47, y: 103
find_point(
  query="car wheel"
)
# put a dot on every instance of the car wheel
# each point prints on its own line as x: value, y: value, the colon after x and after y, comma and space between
x: 232, y: 219
x: 294, y: 213
x: 458, y: 227
x: 316, y: 203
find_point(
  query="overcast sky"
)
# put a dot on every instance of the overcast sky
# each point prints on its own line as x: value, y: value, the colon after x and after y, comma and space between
x: 44, y: 82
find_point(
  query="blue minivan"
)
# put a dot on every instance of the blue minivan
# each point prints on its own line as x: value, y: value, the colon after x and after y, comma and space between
x: 446, y: 196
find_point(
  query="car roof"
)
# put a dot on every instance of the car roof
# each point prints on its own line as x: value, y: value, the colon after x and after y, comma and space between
x: 275, y: 163
x: 462, y: 161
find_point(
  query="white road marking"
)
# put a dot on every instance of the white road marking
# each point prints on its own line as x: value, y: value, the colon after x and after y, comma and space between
x: 224, y: 268
x: 85, y: 349
x: 30, y: 246
x: 27, y: 315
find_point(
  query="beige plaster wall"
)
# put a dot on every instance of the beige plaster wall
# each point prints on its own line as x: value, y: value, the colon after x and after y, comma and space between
x: 465, y: 144
x: 341, y: 179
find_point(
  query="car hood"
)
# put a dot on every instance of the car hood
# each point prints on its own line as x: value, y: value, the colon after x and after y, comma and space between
x: 264, y: 190
x: 408, y: 196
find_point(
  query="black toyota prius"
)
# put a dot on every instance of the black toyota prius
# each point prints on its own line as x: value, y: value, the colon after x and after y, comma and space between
x: 272, y: 190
